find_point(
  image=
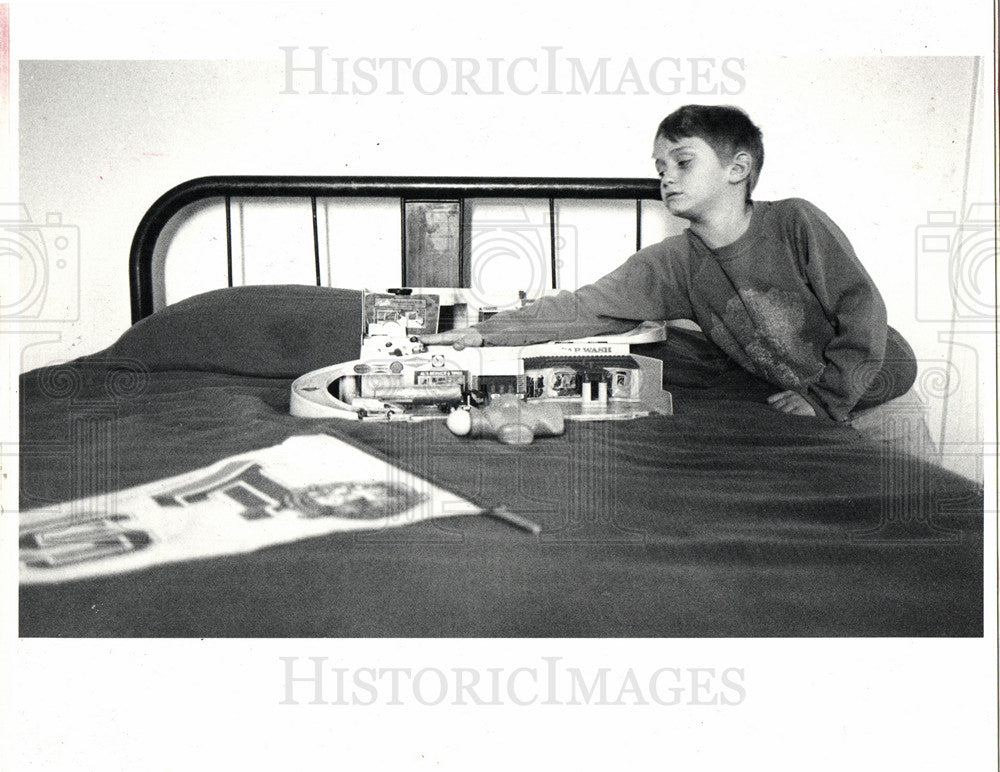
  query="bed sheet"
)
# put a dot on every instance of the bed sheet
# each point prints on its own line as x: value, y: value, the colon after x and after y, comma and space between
x: 725, y: 519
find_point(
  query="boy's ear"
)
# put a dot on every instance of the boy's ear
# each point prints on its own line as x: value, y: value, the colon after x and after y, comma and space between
x: 740, y: 167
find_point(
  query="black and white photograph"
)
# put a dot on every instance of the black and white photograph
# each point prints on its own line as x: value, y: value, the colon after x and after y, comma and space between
x: 396, y: 380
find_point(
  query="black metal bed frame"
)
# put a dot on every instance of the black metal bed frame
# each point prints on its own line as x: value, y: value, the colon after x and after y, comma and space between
x: 406, y: 189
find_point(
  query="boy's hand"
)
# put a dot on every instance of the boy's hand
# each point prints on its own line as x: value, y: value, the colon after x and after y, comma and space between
x: 791, y: 402
x: 459, y: 339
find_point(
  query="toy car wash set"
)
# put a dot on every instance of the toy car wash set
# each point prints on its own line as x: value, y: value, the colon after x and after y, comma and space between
x: 513, y: 393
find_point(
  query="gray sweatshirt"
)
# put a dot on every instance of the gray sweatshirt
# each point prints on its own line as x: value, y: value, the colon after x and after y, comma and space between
x: 789, y: 301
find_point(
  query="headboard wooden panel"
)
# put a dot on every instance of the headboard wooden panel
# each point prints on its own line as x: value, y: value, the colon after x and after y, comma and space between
x: 406, y: 189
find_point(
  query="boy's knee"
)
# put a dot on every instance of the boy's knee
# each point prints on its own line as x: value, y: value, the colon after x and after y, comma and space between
x: 897, y: 374
x: 900, y: 359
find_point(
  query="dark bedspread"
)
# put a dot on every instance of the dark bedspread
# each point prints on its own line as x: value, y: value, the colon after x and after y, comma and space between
x: 726, y: 519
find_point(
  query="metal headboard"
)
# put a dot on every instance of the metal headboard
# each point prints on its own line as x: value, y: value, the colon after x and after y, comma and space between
x: 403, y: 188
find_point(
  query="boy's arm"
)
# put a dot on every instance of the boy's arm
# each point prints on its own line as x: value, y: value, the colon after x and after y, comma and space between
x: 853, y: 305
x: 649, y: 285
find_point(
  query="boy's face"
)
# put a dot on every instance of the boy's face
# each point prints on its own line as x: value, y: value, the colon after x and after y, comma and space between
x: 693, y: 181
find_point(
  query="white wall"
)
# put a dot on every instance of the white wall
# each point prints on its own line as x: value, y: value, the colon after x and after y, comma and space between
x: 876, y: 142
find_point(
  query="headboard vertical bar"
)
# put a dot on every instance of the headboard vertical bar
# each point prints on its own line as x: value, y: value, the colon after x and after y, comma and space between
x: 553, y: 261
x: 319, y: 281
x: 464, y: 258
x: 638, y: 224
x: 402, y: 241
x: 229, y: 240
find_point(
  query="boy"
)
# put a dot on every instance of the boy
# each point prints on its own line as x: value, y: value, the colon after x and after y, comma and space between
x: 775, y: 285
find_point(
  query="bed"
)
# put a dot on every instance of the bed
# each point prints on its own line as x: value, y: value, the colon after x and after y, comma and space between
x: 725, y: 519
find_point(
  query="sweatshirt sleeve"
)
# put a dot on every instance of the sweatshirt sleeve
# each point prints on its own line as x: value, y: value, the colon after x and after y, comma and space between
x: 650, y: 285
x: 853, y: 306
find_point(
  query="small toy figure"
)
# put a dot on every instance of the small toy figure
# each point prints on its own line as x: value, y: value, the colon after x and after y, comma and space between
x: 509, y: 419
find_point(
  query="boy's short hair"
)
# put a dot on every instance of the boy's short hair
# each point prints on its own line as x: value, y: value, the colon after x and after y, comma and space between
x: 727, y: 130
